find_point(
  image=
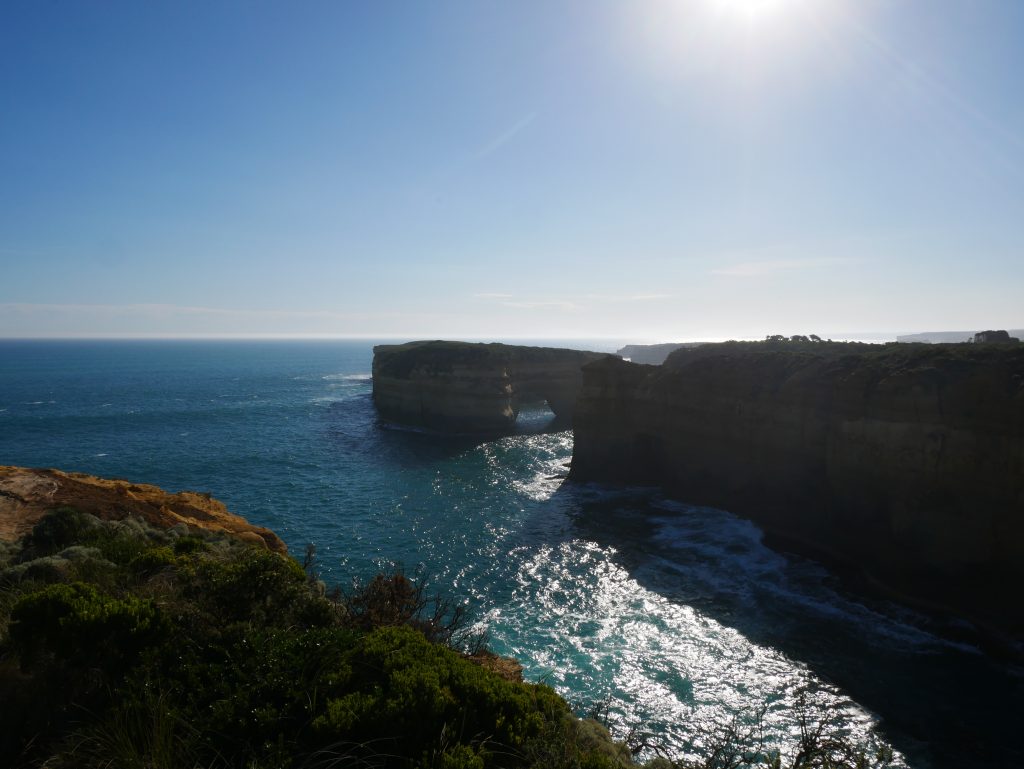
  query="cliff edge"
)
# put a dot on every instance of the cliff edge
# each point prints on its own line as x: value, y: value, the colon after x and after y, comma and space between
x: 906, y: 460
x: 464, y: 387
x: 26, y: 495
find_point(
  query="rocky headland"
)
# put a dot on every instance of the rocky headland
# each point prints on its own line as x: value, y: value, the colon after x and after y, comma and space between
x: 463, y: 387
x: 906, y: 461
x: 26, y: 495
x: 653, y: 354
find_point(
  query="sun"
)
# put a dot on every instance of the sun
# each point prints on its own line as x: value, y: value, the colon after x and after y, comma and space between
x: 752, y: 10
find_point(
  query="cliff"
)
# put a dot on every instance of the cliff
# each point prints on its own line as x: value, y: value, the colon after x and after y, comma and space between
x: 906, y: 460
x: 653, y: 354
x: 463, y: 387
x: 26, y: 495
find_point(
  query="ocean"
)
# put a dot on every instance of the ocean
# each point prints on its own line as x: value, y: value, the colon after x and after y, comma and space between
x: 672, y: 621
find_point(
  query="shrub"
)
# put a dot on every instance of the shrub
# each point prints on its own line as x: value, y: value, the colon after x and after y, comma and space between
x: 405, y: 691
x: 58, y: 529
x: 77, y: 624
x: 394, y: 600
x: 153, y: 561
x: 190, y: 544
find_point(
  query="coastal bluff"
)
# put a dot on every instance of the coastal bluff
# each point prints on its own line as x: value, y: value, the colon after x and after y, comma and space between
x: 905, y: 461
x: 26, y: 495
x: 465, y: 387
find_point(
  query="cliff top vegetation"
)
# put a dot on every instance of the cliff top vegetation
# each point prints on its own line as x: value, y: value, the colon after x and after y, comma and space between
x: 889, y: 357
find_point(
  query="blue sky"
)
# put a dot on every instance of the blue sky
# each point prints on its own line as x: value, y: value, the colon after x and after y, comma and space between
x: 659, y: 170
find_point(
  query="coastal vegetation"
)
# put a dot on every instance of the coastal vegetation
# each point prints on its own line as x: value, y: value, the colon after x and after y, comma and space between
x: 127, y: 645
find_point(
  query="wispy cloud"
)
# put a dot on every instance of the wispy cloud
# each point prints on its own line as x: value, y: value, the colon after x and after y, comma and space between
x: 544, y: 304
x: 755, y: 269
x: 616, y: 299
x: 164, y: 310
x: 567, y: 303
x: 22, y: 319
x: 505, y: 136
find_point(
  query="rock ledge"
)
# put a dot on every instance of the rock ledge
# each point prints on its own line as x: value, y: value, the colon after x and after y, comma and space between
x: 27, y: 494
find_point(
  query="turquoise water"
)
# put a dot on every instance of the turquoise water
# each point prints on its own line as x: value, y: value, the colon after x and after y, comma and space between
x: 673, y: 617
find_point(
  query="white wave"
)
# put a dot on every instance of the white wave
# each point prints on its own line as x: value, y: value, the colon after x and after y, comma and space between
x: 542, y: 486
x: 362, y: 377
x: 589, y: 628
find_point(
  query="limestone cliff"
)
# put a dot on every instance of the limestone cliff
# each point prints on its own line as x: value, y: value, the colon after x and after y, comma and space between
x: 464, y: 387
x: 907, y: 460
x: 26, y: 495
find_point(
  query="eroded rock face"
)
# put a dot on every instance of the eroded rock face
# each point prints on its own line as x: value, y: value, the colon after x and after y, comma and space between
x: 907, y: 460
x: 26, y: 495
x: 462, y: 387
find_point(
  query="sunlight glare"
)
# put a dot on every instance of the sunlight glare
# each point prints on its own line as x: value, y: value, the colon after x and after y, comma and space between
x: 752, y: 10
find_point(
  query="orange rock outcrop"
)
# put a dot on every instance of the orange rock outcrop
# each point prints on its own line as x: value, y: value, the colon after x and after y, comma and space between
x: 27, y: 494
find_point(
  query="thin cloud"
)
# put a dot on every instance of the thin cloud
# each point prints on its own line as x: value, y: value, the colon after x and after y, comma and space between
x: 767, y: 267
x: 569, y: 303
x: 627, y: 297
x: 550, y: 304
x: 164, y: 309
x: 505, y: 136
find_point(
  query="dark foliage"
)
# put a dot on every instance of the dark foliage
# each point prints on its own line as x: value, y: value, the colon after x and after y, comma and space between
x: 141, y: 648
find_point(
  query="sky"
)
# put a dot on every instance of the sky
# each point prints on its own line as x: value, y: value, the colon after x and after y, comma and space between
x: 658, y: 170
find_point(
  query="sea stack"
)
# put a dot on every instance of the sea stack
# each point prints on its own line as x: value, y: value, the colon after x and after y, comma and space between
x: 464, y: 387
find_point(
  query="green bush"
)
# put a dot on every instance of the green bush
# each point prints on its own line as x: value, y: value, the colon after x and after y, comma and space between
x: 405, y: 691
x: 153, y: 561
x: 190, y: 544
x: 79, y: 625
x: 58, y: 529
x: 210, y: 653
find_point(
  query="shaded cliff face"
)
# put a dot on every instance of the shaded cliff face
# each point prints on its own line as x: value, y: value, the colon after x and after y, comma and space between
x: 26, y: 495
x: 463, y: 387
x: 906, y: 460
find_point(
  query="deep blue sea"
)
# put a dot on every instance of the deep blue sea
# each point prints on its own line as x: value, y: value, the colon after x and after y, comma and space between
x: 673, y: 618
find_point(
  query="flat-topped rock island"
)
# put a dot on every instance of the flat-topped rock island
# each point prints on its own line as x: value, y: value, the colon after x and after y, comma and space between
x: 465, y: 387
